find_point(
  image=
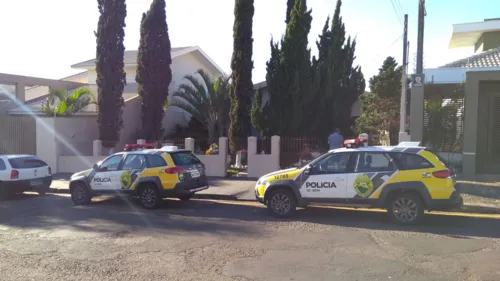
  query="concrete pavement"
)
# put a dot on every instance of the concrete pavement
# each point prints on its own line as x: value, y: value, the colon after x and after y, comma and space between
x: 47, y: 238
x: 220, y: 188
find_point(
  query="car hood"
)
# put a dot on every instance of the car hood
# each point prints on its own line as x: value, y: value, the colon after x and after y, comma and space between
x: 82, y: 173
x: 279, y: 172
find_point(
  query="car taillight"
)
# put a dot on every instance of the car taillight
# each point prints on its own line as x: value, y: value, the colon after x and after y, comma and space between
x: 174, y: 170
x: 50, y: 171
x: 443, y: 174
x: 14, y: 174
x: 203, y: 166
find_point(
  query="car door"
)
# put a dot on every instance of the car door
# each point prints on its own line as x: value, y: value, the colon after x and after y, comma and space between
x: 132, y: 167
x: 372, y: 169
x: 107, y: 175
x: 326, y: 179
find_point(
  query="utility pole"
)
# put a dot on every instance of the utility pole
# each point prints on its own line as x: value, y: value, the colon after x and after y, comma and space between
x: 402, y: 110
x: 420, y: 38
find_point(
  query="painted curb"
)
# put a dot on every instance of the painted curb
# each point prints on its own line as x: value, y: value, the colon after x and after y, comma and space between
x: 232, y: 197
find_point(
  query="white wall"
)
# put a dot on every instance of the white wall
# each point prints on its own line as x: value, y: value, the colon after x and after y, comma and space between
x: 75, y: 135
x: 258, y: 164
x: 73, y: 164
x: 181, y: 66
x: 215, y: 165
x: 46, y: 147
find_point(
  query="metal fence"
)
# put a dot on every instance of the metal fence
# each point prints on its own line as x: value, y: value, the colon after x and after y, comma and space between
x: 17, y: 135
x: 443, y: 122
x: 297, y: 151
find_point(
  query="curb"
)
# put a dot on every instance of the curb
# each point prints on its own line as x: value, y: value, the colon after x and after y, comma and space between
x: 231, y: 197
x: 227, y: 197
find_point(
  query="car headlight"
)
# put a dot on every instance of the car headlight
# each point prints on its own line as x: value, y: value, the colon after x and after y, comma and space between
x: 261, y: 182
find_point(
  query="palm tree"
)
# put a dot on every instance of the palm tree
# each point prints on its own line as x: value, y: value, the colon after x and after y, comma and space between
x: 207, y: 101
x: 68, y: 103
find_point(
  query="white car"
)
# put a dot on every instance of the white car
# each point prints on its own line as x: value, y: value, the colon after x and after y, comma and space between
x: 19, y: 173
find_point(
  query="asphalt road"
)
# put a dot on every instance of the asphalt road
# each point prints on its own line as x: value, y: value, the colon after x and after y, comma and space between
x: 47, y: 238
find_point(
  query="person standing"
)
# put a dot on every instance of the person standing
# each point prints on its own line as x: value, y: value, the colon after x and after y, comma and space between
x: 335, y: 140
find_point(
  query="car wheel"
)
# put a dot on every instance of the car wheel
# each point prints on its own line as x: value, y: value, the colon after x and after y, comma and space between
x: 80, y: 195
x: 406, y: 208
x: 281, y: 203
x: 149, y: 197
x: 185, y: 197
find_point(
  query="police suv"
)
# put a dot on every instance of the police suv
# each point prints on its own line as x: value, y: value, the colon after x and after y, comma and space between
x: 20, y: 173
x: 150, y: 175
x: 406, y: 180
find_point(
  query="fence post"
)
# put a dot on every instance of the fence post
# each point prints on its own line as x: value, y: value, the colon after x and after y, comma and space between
x: 223, y: 146
x: 97, y: 148
x: 189, y: 144
x: 275, y: 150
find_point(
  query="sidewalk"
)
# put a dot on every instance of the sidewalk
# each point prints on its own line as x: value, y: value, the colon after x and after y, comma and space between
x: 220, y: 189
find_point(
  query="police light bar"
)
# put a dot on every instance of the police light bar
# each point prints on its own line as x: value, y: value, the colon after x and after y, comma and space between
x: 169, y: 148
x: 354, y: 143
x: 410, y: 143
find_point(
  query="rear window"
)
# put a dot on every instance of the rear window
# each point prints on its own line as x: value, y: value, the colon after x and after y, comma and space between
x: 156, y: 161
x: 26, y: 163
x: 184, y: 158
x: 409, y: 161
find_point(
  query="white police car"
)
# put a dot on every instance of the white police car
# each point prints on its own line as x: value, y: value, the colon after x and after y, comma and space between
x: 19, y: 173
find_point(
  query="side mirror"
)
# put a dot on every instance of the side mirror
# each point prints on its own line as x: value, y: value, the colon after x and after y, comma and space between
x: 307, y: 171
x: 95, y: 167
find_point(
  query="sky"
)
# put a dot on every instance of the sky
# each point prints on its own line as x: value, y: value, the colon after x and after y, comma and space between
x: 44, y: 38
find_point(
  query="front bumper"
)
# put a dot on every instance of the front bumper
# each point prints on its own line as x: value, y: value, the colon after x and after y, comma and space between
x: 187, y: 187
x: 18, y: 186
x: 258, y: 198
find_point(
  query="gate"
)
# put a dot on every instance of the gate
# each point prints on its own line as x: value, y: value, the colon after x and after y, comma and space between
x: 17, y: 135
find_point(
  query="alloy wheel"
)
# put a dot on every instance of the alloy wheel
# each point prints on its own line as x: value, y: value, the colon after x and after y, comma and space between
x: 148, y: 197
x: 280, y: 203
x: 405, y: 209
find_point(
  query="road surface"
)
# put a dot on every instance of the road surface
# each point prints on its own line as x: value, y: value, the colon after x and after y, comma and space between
x: 47, y: 238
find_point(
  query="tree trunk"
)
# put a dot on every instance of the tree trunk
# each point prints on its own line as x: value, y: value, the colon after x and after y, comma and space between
x: 211, y: 134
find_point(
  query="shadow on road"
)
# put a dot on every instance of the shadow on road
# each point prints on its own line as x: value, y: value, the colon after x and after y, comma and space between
x: 454, y: 226
x: 199, y: 216
x: 109, y: 215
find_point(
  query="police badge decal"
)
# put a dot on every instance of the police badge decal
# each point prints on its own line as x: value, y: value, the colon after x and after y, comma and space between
x: 363, y: 185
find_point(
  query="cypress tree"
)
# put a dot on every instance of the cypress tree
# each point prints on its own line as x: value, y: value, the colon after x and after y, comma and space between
x: 288, y: 77
x: 336, y: 81
x: 241, y: 90
x: 289, y: 8
x: 153, y: 69
x: 111, y: 77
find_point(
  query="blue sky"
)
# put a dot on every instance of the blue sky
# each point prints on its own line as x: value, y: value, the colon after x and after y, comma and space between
x: 43, y: 38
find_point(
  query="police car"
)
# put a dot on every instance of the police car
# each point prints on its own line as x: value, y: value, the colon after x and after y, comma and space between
x: 148, y: 174
x: 20, y: 173
x: 406, y: 180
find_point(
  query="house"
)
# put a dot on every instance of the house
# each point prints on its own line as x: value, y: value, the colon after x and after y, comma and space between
x: 185, y: 61
x: 479, y: 77
x: 262, y: 87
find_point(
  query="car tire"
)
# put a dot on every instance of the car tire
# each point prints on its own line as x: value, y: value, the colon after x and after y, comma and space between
x: 149, y: 196
x: 281, y: 203
x: 80, y: 194
x: 406, y: 208
x: 185, y: 197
